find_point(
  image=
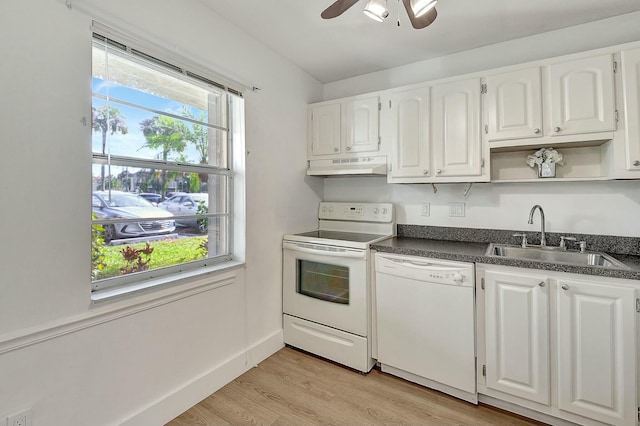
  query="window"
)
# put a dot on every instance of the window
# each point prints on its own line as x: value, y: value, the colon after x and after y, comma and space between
x: 167, y: 133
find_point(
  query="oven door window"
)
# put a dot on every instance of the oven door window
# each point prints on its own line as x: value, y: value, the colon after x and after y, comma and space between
x: 323, y: 281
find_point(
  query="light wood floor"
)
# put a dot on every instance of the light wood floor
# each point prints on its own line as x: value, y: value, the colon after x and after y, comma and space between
x: 295, y: 388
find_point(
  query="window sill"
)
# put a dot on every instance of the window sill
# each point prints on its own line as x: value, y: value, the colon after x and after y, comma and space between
x: 157, y: 287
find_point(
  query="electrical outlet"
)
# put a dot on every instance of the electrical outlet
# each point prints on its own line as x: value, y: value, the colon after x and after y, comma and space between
x: 456, y: 209
x: 425, y: 209
x: 23, y: 418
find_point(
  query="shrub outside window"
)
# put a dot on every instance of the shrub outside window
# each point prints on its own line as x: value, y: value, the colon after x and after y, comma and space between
x: 161, y: 167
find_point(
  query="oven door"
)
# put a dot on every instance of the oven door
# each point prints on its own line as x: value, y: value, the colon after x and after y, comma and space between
x: 326, y: 285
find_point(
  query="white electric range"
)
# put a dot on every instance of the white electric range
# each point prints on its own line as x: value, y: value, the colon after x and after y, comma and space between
x: 327, y: 282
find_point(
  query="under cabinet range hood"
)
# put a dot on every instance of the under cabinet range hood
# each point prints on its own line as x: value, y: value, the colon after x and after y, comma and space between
x: 352, y: 166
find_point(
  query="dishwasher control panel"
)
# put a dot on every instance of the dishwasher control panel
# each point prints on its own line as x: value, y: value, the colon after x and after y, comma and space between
x: 426, y: 270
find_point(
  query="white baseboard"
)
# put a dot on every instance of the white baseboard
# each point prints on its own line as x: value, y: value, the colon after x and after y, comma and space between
x: 181, y: 399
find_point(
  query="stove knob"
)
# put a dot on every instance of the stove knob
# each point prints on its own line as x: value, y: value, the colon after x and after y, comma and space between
x: 324, y: 209
x: 458, y: 277
x: 376, y: 210
x: 384, y: 211
x: 330, y: 209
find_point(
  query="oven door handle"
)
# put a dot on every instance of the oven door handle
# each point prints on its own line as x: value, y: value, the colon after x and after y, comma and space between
x: 333, y: 251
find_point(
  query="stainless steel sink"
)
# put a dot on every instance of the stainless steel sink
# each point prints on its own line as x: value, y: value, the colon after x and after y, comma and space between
x: 554, y: 255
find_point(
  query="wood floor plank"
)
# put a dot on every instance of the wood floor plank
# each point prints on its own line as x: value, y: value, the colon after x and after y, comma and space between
x: 295, y: 388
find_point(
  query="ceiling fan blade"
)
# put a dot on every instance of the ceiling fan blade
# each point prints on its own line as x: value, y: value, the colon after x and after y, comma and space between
x: 423, y: 21
x: 337, y: 8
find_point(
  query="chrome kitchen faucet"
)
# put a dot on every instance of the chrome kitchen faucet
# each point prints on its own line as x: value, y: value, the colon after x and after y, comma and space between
x: 543, y: 239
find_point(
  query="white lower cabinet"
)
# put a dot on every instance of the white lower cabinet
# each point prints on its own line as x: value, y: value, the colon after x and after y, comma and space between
x: 597, y: 351
x: 564, y: 345
x: 517, y: 334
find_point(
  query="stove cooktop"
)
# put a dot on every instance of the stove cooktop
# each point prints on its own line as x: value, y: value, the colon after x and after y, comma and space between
x: 355, y: 240
x: 341, y: 236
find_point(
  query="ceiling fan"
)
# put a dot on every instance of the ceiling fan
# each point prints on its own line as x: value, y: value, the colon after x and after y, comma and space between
x: 421, y: 12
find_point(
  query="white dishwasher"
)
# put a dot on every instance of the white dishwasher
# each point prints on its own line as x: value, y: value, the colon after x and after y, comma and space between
x: 425, y: 318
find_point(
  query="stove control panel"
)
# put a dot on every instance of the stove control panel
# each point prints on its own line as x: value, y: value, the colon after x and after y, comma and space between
x: 360, y: 212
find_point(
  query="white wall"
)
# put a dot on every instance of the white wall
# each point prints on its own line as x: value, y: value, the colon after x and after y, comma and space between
x: 609, y: 208
x: 134, y: 361
x: 606, y: 208
x: 603, y: 33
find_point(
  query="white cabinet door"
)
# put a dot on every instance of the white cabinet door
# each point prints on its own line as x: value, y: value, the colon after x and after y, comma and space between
x: 631, y: 90
x: 409, y: 123
x: 514, y: 105
x: 455, y: 128
x: 582, y: 96
x: 517, y: 335
x: 325, y: 129
x: 361, y: 125
x: 596, y: 351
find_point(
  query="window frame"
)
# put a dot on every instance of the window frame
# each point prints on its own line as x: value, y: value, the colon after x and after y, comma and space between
x: 171, y: 273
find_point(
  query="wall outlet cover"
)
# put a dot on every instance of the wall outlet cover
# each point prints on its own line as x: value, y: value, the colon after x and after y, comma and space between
x: 425, y: 209
x: 22, y: 418
x: 456, y: 209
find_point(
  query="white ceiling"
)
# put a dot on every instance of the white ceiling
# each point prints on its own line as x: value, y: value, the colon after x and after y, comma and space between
x: 352, y: 44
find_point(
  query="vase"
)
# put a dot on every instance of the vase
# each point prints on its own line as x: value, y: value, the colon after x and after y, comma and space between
x: 547, y: 170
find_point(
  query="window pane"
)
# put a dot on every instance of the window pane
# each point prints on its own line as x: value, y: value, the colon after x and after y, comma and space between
x: 114, y: 70
x: 133, y: 132
x: 158, y: 185
x: 130, y: 258
x: 217, y: 243
x: 217, y: 186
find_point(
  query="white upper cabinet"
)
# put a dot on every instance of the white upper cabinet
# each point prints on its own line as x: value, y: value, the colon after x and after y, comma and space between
x: 597, y: 351
x: 631, y: 89
x: 514, y: 104
x: 344, y: 127
x: 408, y: 125
x: 482, y: 126
x: 434, y: 133
x: 567, y: 102
x: 361, y: 125
x: 455, y: 128
x: 582, y: 96
x: 325, y: 129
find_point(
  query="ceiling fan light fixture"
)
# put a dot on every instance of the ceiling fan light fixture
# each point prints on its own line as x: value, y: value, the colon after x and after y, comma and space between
x: 376, y: 10
x: 420, y: 7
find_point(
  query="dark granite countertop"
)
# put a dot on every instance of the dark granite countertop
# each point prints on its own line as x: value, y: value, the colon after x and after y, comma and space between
x: 435, y: 245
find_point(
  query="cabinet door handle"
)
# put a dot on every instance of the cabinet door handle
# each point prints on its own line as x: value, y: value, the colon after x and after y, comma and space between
x: 536, y: 131
x: 335, y: 149
x: 636, y: 163
x: 557, y: 129
x: 565, y: 287
x: 425, y: 172
x: 438, y: 171
x: 541, y: 284
x: 348, y: 148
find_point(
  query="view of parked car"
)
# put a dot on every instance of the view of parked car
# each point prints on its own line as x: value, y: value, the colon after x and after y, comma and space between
x: 151, y: 197
x: 188, y: 204
x: 117, y: 204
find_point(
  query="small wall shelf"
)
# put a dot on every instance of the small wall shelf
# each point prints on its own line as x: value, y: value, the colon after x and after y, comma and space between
x: 582, y: 163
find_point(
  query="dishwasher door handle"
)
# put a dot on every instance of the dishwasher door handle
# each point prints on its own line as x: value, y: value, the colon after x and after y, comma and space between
x: 429, y: 266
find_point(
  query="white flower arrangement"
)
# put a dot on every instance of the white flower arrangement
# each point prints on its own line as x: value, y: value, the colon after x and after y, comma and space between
x: 545, y: 156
